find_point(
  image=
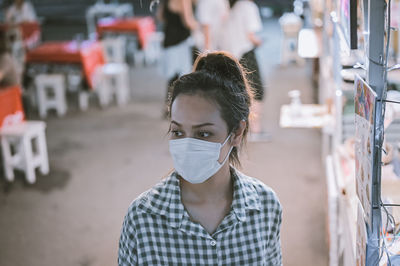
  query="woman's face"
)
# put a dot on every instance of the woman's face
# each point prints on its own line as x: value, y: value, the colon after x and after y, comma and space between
x: 193, y: 116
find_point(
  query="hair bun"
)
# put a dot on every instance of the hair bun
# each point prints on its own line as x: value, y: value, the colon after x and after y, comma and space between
x: 222, y: 64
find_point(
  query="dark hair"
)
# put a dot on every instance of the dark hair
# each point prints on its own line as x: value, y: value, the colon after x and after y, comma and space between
x: 219, y: 77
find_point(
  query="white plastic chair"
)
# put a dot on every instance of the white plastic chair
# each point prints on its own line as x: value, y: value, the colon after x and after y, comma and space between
x: 112, y: 79
x: 23, y: 143
x: 116, y: 79
x: 51, y: 93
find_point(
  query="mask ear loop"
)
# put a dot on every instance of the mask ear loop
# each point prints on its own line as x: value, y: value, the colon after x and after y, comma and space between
x: 223, y: 144
x: 230, y: 150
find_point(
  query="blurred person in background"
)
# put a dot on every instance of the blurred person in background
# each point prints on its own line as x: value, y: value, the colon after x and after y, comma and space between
x: 19, y: 12
x: 211, y: 15
x: 8, y: 72
x: 205, y: 206
x: 178, y: 19
x: 239, y: 37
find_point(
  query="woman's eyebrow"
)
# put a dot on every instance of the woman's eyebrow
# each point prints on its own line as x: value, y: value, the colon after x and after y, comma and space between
x: 176, y: 123
x: 203, y: 125
x: 195, y: 126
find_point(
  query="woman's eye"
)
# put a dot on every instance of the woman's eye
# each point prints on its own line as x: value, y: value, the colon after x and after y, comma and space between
x: 204, y: 134
x: 176, y: 133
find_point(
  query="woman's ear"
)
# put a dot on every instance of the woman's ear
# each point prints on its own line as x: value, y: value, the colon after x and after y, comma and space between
x: 238, y: 134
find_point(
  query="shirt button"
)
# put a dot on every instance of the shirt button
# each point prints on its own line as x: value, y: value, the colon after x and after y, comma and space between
x: 213, y: 243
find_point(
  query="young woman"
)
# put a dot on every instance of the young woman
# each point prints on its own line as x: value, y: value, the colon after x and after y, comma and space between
x: 239, y: 38
x: 178, y: 19
x: 206, y: 212
x: 211, y: 15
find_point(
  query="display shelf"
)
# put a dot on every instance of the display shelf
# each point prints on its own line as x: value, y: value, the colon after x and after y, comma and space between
x: 342, y: 170
x: 346, y: 213
x: 333, y: 219
x: 371, y: 22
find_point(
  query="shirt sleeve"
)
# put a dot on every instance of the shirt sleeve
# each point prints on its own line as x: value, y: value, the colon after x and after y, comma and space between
x: 127, y: 253
x: 252, y: 17
x: 274, y: 248
x: 203, y: 13
x: 29, y: 14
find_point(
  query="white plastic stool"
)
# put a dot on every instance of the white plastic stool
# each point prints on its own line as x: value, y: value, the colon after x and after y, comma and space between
x: 115, y: 82
x: 20, y: 136
x: 51, y: 93
x: 291, y: 25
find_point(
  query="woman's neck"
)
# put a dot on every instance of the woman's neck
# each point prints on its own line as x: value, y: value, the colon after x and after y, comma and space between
x: 216, y: 188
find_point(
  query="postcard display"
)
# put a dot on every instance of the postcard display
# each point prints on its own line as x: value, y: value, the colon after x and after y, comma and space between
x: 365, y: 103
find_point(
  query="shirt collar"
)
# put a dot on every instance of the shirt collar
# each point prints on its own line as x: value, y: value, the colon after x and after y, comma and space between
x: 245, y: 196
x: 165, y: 199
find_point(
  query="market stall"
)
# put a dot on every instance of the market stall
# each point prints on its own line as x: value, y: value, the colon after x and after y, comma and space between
x: 359, y: 146
x: 361, y: 155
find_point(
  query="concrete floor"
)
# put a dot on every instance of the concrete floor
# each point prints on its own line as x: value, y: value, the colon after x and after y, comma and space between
x: 102, y: 159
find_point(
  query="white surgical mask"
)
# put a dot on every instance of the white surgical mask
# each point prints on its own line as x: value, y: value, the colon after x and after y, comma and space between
x: 196, y: 160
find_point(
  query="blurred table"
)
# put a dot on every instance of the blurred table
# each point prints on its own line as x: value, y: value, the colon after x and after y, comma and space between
x: 307, y: 116
x: 143, y: 27
x: 87, y: 54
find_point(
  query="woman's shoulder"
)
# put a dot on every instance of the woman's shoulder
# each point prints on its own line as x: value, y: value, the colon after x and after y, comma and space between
x: 156, y: 199
x: 265, y: 193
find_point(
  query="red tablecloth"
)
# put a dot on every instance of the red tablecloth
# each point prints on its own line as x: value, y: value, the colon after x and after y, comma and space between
x: 142, y: 26
x: 88, y: 53
x: 11, y: 110
x: 30, y: 32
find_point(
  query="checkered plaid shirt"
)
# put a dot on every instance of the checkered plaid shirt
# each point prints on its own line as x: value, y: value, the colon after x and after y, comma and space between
x: 157, y: 230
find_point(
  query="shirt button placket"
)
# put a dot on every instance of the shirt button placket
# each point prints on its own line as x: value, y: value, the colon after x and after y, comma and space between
x: 214, y: 251
x: 213, y: 243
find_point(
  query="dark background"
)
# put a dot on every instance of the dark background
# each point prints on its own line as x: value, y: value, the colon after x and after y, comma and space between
x: 62, y: 19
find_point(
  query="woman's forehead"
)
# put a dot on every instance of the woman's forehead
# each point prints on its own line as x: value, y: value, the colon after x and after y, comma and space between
x: 195, y: 109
